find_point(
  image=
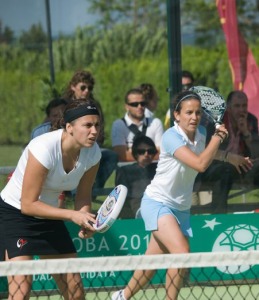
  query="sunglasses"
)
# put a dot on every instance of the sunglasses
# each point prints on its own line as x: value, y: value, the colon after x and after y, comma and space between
x: 84, y: 87
x: 136, y: 104
x: 149, y: 151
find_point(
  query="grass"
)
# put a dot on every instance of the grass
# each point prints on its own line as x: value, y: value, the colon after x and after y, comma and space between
x: 236, y: 292
x: 249, y: 197
x: 9, y: 156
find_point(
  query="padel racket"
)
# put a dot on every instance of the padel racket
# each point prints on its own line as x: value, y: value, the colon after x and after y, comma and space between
x: 111, y: 208
x: 213, y: 104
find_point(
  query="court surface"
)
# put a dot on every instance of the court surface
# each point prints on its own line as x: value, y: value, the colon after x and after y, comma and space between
x: 233, y: 292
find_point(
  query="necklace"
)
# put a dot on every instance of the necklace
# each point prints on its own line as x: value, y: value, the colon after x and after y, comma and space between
x: 75, y: 160
x: 70, y: 161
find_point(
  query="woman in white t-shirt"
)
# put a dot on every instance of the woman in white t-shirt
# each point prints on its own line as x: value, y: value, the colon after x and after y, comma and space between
x: 165, y: 206
x: 60, y: 160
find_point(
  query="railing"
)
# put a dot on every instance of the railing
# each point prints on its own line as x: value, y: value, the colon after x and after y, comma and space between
x: 196, y: 209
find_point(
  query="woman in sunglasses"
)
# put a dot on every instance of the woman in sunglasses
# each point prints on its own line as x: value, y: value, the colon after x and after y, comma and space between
x: 137, y: 176
x: 165, y: 206
x: 80, y: 86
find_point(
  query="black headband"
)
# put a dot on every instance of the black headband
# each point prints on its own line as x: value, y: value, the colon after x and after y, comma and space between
x: 80, y: 111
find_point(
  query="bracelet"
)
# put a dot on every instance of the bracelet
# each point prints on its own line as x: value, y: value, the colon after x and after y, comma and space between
x: 218, y: 135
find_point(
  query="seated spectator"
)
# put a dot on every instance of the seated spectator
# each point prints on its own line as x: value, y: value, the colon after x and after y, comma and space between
x: 242, y: 127
x: 133, y: 124
x: 151, y: 99
x: 81, y: 86
x: 137, y: 176
x: 243, y: 136
x: 241, y: 124
x: 53, y: 111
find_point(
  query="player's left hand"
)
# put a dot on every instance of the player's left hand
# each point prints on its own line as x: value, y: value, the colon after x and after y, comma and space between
x: 85, y: 233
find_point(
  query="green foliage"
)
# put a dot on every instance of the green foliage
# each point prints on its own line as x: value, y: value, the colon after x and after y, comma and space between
x: 114, y: 80
x: 20, y: 99
x: 151, y: 13
x: 122, y: 42
x: 203, y: 18
x: 77, y: 51
x: 35, y: 39
x: 6, y: 34
x: 119, y: 58
x: 25, y: 92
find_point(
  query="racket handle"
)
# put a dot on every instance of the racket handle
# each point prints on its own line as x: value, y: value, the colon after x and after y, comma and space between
x: 91, y: 223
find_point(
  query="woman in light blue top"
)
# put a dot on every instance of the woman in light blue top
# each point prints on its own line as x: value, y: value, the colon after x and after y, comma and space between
x: 165, y: 206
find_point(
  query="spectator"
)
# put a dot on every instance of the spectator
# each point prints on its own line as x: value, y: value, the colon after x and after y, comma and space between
x: 151, y: 99
x: 133, y: 124
x: 53, y: 111
x: 242, y: 125
x: 137, y: 176
x: 243, y: 131
x: 187, y: 82
x: 81, y: 85
x: 243, y: 136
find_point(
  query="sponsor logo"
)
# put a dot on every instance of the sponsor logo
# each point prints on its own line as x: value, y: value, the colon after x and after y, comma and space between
x: 21, y: 242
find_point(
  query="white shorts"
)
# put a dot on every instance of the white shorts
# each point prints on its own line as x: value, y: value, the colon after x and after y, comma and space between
x: 152, y: 210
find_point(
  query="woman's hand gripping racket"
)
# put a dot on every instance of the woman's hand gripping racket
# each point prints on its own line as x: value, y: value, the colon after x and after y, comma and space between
x: 213, y: 104
x: 111, y: 208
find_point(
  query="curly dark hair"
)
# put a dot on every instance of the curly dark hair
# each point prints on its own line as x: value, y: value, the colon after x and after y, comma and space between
x: 148, y: 90
x: 79, y: 76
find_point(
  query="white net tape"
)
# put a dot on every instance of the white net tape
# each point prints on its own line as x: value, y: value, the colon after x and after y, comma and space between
x: 122, y: 263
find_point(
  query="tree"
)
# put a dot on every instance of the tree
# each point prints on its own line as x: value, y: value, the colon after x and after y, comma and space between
x: 151, y: 13
x: 6, y: 34
x: 34, y: 39
x: 203, y: 19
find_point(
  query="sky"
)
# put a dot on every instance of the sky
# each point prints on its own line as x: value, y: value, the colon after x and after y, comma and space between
x: 66, y: 15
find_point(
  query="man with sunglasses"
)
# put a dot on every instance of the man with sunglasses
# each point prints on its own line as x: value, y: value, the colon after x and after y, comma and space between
x: 134, y: 124
x: 137, y: 176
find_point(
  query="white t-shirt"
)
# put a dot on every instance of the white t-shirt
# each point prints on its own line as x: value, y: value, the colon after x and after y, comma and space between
x: 46, y: 149
x: 173, y: 182
x: 122, y: 136
x: 149, y: 113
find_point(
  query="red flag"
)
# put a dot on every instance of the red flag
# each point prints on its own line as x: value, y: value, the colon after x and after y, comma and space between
x: 245, y: 73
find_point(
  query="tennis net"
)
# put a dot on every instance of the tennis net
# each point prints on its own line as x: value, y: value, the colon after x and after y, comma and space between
x: 214, y: 275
